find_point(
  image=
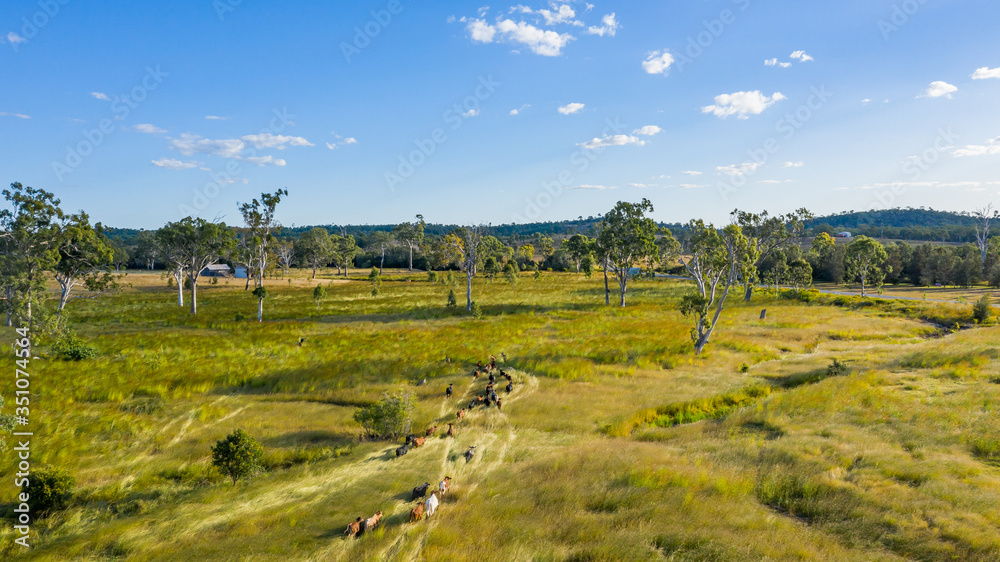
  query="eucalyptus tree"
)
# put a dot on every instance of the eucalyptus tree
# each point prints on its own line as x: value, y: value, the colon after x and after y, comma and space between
x: 719, y: 260
x: 410, y: 235
x: 261, y: 226
x: 865, y: 261
x: 344, y: 250
x: 628, y: 238
x: 578, y: 246
x: 767, y: 234
x: 30, y: 230
x: 465, y: 242
x: 85, y: 255
x: 197, y: 244
x: 315, y: 248
x: 380, y: 241
x: 984, y: 218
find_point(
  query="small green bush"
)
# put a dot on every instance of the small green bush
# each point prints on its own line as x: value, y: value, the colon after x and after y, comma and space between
x: 49, y: 490
x: 389, y: 418
x: 982, y: 311
x: 72, y: 348
x: 452, y: 301
x: 432, y: 276
x: 477, y: 311
x: 238, y: 455
x: 837, y: 369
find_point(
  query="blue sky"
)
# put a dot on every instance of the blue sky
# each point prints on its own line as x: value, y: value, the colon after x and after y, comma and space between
x: 371, y: 112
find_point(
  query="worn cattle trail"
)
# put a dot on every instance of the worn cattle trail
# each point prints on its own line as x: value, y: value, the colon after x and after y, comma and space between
x: 492, y: 439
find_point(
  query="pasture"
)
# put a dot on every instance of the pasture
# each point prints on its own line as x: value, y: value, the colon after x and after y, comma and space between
x: 617, y: 443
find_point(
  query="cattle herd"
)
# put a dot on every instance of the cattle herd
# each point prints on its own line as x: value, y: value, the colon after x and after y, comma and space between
x: 426, y: 508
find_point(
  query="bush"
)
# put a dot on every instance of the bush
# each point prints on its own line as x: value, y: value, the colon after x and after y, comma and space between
x: 837, y: 369
x: 238, y: 455
x: 49, y: 490
x: 432, y: 276
x: 319, y: 293
x: 477, y: 311
x: 72, y: 348
x: 452, y: 301
x: 982, y: 311
x: 389, y: 418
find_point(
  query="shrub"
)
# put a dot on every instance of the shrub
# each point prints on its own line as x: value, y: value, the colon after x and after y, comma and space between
x: 389, y: 418
x: 982, y: 311
x: 452, y: 301
x: 837, y: 369
x: 432, y: 276
x: 187, y: 283
x: 72, y: 348
x: 477, y: 311
x: 319, y: 293
x: 49, y: 490
x: 238, y: 455
x: 744, y: 368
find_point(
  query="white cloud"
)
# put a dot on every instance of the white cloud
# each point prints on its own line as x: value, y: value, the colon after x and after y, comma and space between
x: 189, y: 144
x: 784, y: 64
x: 147, y: 128
x: 562, y: 14
x: 470, y: 113
x: 770, y: 62
x: 647, y: 131
x: 350, y: 140
x: 18, y: 115
x: 793, y: 164
x: 215, y: 118
x: 642, y: 185
x: 992, y: 147
x: 265, y: 160
x: 519, y: 109
x: 570, y: 108
x: 612, y: 140
x: 691, y: 185
x: 591, y: 186
x: 541, y: 42
x: 14, y: 38
x: 267, y: 140
x: 340, y: 142
x: 658, y: 62
x: 939, y: 89
x: 481, y: 31
x: 172, y: 164
x: 986, y: 72
x: 691, y: 173
x: 769, y: 182
x: 801, y: 56
x: 739, y: 169
x: 609, y: 26
x: 866, y: 101
x: 100, y: 96
x: 742, y: 104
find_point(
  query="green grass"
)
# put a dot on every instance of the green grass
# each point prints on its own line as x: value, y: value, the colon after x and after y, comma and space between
x: 594, y: 456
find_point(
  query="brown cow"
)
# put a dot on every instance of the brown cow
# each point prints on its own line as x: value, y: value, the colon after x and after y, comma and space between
x: 432, y: 430
x: 475, y: 375
x: 460, y: 414
x: 418, y: 512
x: 353, y: 528
x: 418, y: 441
x: 451, y: 431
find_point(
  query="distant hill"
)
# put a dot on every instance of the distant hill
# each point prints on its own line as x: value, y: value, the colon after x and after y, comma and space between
x: 905, y: 224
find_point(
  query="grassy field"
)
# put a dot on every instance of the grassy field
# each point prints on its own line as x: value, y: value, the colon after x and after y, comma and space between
x: 616, y: 443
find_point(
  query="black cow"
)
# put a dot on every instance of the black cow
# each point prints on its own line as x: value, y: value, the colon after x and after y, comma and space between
x: 420, y: 491
x: 510, y: 387
x: 410, y: 438
x: 449, y: 391
x: 400, y: 451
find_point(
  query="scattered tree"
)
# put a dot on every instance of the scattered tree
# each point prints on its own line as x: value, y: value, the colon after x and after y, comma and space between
x: 198, y: 243
x: 380, y: 241
x: 465, y: 243
x: 315, y: 248
x: 238, y: 455
x: 389, y: 418
x: 84, y: 259
x: 628, y: 237
x: 410, y: 235
x: 865, y: 261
